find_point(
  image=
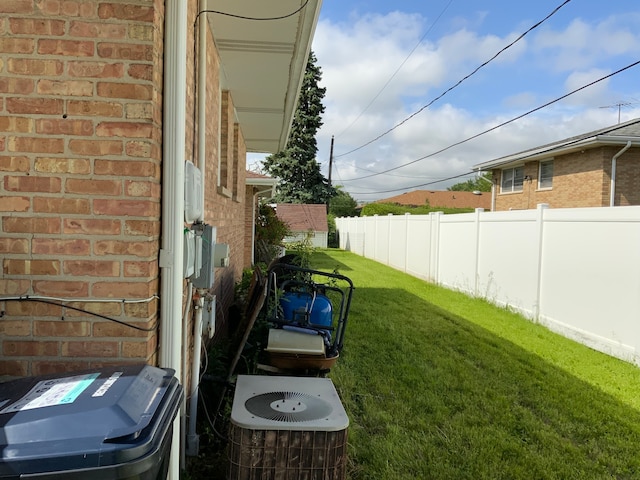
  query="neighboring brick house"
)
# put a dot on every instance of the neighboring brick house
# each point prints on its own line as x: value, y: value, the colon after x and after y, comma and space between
x: 305, y: 220
x: 442, y: 199
x: 100, y: 106
x: 596, y: 169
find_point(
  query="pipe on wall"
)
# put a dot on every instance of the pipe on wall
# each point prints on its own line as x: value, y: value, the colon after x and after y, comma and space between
x: 192, y: 437
x: 171, y: 252
x: 614, y: 162
x: 202, y: 97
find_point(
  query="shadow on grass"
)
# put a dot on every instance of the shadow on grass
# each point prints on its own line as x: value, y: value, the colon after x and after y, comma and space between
x: 432, y: 395
x: 324, y: 261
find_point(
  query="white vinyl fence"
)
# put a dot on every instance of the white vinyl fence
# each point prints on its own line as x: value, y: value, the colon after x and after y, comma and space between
x: 575, y: 270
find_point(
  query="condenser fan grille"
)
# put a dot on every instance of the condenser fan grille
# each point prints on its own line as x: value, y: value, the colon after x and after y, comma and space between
x: 288, y: 407
x: 287, y: 403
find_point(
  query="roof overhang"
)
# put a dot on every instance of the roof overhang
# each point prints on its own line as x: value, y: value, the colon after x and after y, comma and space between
x: 263, y: 61
x: 548, y: 151
x: 266, y: 186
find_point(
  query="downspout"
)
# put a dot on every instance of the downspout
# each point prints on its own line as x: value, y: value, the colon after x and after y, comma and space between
x: 614, y: 161
x: 170, y: 258
x: 493, y: 197
x: 193, y: 439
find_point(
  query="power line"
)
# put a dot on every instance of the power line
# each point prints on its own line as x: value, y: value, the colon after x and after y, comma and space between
x: 492, y: 129
x: 416, y: 186
x: 458, y: 83
x: 243, y: 17
x: 391, y: 175
x: 397, y: 70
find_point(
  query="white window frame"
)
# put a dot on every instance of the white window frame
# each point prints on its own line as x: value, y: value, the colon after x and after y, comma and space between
x: 512, y: 179
x: 545, y: 181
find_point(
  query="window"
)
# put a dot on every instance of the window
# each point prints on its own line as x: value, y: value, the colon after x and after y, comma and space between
x: 545, y: 175
x: 512, y: 179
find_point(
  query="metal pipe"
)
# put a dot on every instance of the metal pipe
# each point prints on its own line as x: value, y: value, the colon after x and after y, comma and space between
x: 193, y: 439
x: 202, y: 98
x: 192, y: 443
x: 186, y: 314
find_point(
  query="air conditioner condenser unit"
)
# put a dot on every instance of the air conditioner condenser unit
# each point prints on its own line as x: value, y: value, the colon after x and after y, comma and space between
x: 285, y: 428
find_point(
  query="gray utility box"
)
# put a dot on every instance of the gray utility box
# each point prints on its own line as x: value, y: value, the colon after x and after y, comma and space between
x: 204, y: 278
x: 111, y: 423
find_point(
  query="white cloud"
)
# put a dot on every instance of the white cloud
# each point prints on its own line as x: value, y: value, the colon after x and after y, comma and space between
x: 592, y: 95
x: 581, y: 44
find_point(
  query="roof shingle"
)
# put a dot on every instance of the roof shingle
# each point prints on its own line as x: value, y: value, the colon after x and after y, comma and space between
x: 303, y: 217
x: 442, y: 198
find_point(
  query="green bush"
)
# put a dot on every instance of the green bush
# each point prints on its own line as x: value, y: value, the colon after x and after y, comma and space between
x: 395, y: 209
x: 270, y: 233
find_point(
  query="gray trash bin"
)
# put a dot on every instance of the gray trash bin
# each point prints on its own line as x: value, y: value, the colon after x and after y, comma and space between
x: 111, y: 423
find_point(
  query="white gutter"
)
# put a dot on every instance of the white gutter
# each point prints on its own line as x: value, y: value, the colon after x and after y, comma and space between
x: 170, y: 260
x: 614, y: 162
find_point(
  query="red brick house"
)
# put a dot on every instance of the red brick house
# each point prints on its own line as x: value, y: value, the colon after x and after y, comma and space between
x: 103, y: 106
x: 441, y: 198
x: 595, y: 169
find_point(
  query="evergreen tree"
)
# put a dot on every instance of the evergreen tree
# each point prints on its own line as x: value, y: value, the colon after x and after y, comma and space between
x: 296, y: 167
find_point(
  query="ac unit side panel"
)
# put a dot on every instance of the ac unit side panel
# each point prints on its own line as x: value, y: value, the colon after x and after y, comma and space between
x: 257, y: 454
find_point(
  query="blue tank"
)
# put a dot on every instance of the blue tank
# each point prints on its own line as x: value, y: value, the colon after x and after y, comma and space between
x: 305, y: 308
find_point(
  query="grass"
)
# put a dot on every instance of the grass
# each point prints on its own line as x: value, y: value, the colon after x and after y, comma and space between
x: 438, y: 385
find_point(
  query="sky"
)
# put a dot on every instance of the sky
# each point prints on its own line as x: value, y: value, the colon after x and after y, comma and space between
x: 410, y: 82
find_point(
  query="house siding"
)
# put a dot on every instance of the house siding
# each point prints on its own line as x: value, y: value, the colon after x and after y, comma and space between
x: 81, y: 157
x: 580, y: 179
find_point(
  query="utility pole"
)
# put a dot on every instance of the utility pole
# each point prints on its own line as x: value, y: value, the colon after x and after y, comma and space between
x: 330, y: 160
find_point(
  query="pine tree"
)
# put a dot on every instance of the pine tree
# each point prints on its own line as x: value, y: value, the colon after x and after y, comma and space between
x: 296, y: 167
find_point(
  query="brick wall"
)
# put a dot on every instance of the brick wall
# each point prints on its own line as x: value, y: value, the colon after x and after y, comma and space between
x: 628, y: 178
x: 80, y: 153
x: 81, y: 157
x: 224, y: 195
x: 580, y: 179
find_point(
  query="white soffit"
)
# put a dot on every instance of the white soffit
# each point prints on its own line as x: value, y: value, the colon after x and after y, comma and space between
x: 263, y: 63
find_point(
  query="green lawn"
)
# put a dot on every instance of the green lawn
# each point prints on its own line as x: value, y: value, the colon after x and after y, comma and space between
x: 438, y: 385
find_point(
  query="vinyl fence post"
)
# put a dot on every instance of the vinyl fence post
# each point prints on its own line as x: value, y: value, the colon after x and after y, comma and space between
x: 476, y: 273
x: 389, y: 216
x: 540, y: 227
x: 406, y: 242
x: 435, y: 245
